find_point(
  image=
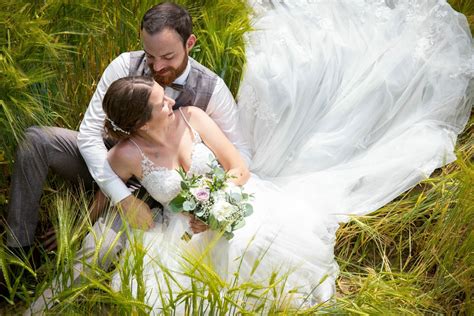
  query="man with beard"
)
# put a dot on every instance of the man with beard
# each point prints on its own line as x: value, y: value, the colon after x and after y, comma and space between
x: 166, y: 34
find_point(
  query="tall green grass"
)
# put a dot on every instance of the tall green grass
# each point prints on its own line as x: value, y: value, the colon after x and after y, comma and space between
x: 413, y: 256
x: 53, y: 53
x: 207, y: 292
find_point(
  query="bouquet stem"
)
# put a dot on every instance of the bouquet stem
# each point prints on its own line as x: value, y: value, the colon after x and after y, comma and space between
x: 187, y: 236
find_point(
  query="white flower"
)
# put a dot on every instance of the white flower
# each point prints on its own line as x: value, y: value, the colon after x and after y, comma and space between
x: 218, y: 195
x: 222, y: 210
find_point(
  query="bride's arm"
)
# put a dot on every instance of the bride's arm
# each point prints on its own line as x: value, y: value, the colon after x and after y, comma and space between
x: 227, y: 155
x: 126, y: 163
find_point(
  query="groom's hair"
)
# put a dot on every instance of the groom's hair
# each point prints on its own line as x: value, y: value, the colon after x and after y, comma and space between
x: 126, y: 106
x: 168, y: 15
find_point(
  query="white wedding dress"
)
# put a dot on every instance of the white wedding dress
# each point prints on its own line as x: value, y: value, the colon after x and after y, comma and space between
x: 350, y: 103
x: 276, y: 236
x: 346, y: 104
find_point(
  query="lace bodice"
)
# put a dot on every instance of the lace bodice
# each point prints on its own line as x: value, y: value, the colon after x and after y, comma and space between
x: 163, y: 184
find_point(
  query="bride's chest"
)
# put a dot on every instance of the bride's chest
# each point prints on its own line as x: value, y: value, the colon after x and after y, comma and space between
x: 163, y: 184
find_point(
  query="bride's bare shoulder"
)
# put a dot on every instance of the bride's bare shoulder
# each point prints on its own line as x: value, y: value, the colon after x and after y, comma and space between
x: 190, y: 110
x: 125, y: 152
x: 194, y: 114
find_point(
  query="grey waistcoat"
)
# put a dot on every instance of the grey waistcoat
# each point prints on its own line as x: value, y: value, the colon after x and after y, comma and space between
x: 198, y: 88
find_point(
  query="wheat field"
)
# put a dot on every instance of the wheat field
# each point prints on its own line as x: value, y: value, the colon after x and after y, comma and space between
x: 413, y: 256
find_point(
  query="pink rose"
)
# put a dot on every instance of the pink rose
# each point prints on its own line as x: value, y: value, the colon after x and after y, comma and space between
x: 201, y: 194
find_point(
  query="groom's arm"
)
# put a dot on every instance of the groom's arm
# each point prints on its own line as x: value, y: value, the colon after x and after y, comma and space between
x: 223, y: 110
x: 90, y: 138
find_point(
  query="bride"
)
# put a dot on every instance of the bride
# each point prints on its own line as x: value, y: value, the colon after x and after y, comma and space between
x: 157, y: 143
x: 346, y: 104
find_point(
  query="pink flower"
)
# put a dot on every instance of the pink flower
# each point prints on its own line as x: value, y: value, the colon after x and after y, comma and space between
x: 201, y: 194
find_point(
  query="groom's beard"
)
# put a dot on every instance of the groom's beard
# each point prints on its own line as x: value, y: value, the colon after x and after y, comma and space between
x: 166, y: 76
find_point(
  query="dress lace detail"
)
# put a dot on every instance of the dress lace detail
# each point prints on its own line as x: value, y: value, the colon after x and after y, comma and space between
x: 162, y: 183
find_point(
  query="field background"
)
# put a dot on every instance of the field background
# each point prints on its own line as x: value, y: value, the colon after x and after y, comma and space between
x: 413, y: 256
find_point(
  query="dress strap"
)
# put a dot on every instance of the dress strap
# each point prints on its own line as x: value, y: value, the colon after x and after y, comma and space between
x: 197, y: 138
x: 147, y: 165
x: 136, y: 145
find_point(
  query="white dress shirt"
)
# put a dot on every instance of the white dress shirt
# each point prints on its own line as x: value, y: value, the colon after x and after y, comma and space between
x: 221, y: 108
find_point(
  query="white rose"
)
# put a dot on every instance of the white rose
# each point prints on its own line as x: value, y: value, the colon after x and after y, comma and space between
x: 222, y: 210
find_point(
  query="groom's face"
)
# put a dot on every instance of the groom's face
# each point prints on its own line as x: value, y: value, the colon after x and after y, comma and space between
x: 166, y: 55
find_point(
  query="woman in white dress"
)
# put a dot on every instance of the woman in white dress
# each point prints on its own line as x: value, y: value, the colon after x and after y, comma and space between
x: 155, y: 143
x: 346, y: 104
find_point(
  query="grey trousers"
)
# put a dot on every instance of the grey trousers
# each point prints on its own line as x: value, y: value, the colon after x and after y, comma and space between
x: 43, y: 149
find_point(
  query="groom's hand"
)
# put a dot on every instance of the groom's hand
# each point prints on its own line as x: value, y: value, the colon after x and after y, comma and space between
x: 137, y: 213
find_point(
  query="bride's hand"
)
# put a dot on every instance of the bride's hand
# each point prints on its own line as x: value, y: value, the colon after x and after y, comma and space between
x: 196, y: 225
x: 137, y: 213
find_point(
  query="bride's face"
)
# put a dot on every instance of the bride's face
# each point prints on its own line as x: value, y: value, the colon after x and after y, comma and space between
x: 162, y: 105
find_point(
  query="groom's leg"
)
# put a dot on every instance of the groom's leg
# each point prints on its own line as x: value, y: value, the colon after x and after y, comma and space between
x: 43, y: 148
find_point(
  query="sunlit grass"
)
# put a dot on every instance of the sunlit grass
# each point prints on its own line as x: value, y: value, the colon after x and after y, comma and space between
x: 413, y: 256
x: 416, y: 252
x: 52, y: 54
x: 197, y: 288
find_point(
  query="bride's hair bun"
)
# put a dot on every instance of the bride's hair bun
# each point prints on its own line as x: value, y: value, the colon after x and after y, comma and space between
x: 126, y: 106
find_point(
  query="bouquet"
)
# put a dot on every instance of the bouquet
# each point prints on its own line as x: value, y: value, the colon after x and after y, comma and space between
x: 214, y: 200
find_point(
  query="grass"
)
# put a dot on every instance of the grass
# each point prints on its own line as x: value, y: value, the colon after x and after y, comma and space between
x: 413, y: 256
x: 207, y: 293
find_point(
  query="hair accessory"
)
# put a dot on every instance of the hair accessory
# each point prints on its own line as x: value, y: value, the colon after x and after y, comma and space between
x: 115, y: 127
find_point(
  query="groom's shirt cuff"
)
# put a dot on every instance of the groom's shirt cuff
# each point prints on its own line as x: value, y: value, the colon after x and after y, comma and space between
x: 120, y: 191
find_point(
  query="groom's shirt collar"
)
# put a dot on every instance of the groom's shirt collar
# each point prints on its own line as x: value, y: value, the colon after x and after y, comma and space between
x: 184, y: 76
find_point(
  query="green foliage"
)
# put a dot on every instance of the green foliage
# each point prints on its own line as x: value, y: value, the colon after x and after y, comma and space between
x: 208, y: 292
x: 53, y: 53
x: 414, y: 256
x: 467, y: 8
x: 221, y: 45
x: 26, y: 51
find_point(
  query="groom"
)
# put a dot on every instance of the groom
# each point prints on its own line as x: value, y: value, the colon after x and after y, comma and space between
x: 166, y: 34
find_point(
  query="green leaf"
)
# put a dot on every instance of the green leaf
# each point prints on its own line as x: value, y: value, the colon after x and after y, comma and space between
x: 213, y: 223
x: 239, y: 224
x: 176, y: 204
x: 219, y: 173
x: 189, y: 205
x: 237, y: 197
x: 248, y: 209
x: 229, y: 235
